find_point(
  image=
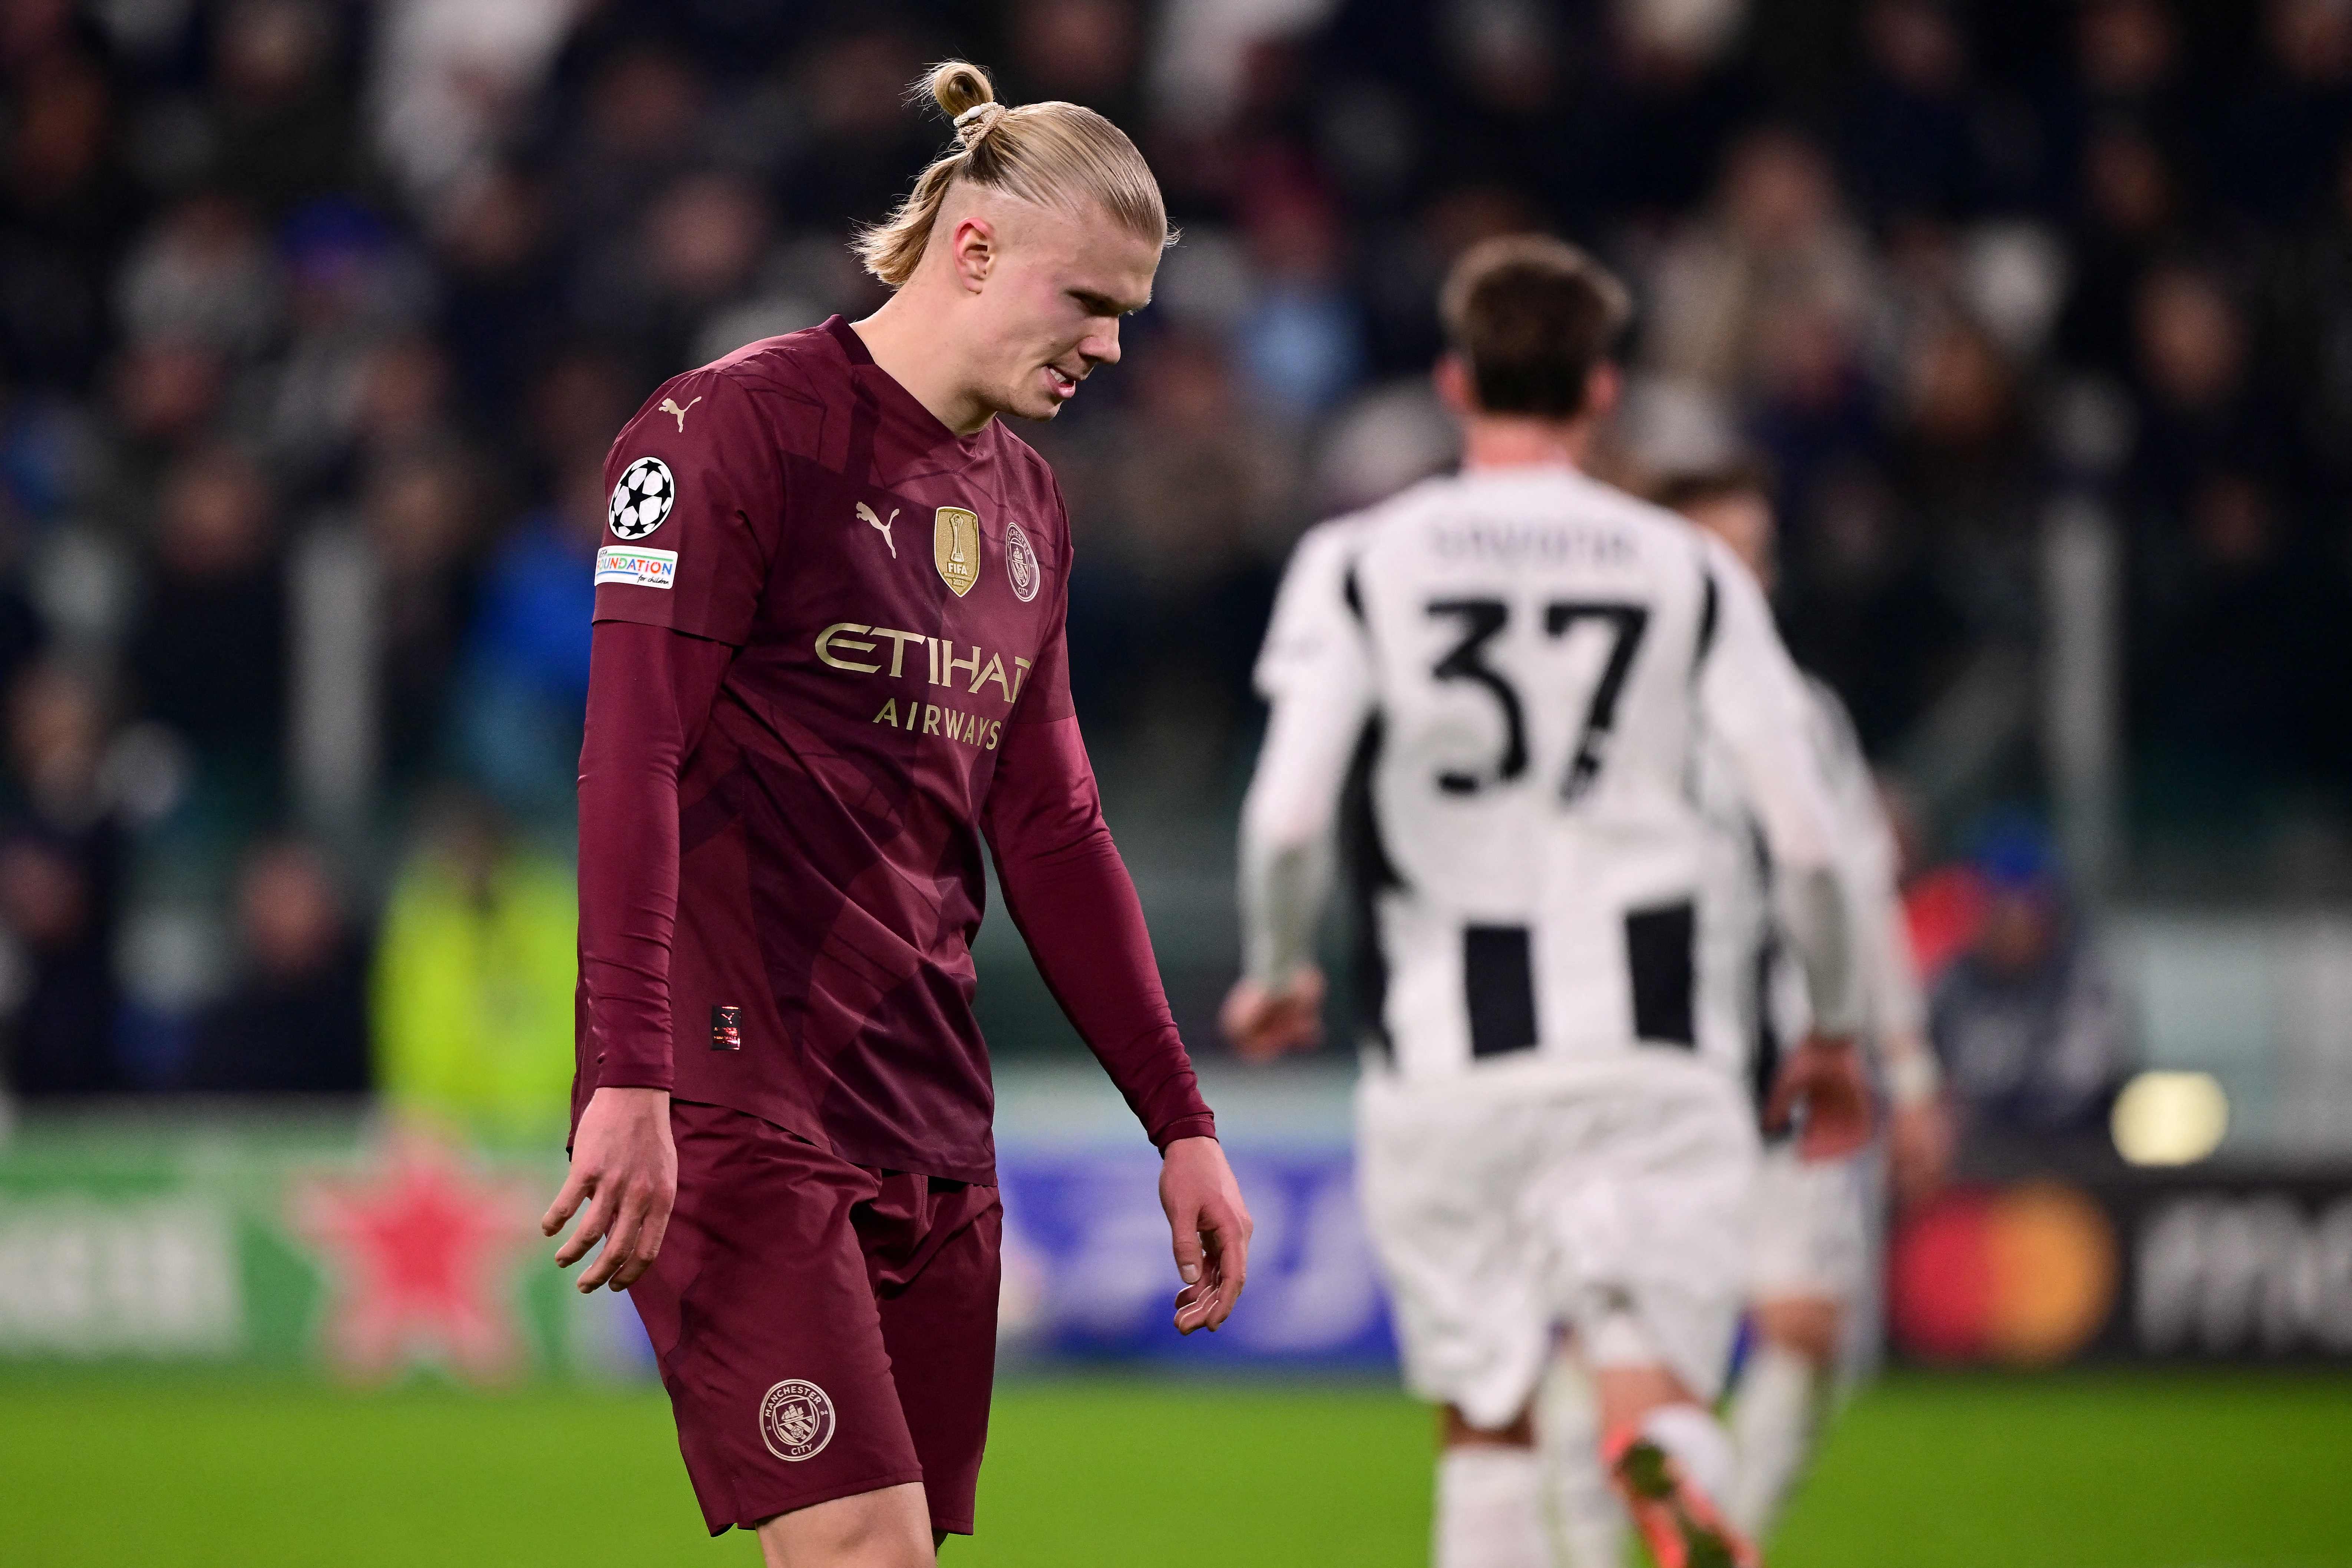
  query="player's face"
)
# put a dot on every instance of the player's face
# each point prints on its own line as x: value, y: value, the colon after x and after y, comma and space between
x: 1056, y: 293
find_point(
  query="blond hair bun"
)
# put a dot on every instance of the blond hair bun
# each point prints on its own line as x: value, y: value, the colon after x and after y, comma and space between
x: 1054, y: 155
x: 958, y: 87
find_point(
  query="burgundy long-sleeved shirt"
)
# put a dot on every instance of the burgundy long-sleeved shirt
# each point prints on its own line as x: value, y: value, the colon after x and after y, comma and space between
x: 828, y: 658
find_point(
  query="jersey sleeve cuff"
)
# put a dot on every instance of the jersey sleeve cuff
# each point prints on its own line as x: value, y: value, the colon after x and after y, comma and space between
x: 1201, y: 1125
x: 615, y: 1072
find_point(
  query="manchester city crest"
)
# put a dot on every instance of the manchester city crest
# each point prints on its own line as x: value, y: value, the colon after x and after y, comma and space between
x: 1021, y: 563
x: 955, y: 547
x: 796, y: 1420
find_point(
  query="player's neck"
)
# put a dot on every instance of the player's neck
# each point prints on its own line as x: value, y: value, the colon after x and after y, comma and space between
x: 1499, y: 440
x: 906, y: 343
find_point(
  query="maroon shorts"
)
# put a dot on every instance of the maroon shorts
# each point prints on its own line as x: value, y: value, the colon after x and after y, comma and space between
x: 823, y: 1329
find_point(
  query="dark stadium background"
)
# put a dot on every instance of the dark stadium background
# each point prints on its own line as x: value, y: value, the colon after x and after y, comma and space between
x: 315, y: 320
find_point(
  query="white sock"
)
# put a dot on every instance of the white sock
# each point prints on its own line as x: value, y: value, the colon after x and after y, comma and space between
x: 1490, y: 1507
x: 1587, y: 1516
x: 1772, y: 1429
x: 1698, y: 1444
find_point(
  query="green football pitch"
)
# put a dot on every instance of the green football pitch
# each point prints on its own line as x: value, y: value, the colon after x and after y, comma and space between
x: 2191, y: 1470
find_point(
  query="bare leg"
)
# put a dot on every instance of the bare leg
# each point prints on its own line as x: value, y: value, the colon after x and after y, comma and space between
x: 1628, y: 1394
x: 1808, y: 1325
x: 886, y: 1529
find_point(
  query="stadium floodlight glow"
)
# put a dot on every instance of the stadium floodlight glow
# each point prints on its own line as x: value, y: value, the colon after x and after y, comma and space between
x: 2170, y: 1118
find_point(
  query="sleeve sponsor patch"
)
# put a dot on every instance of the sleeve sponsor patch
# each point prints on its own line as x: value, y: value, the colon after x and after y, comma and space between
x: 645, y: 568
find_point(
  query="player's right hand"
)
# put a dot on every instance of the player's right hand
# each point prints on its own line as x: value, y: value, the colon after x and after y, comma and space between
x: 1263, y: 1022
x: 624, y: 1166
x: 1209, y: 1227
x: 1824, y: 1075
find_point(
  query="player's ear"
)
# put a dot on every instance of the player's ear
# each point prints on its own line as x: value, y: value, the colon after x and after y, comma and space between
x: 972, y: 252
x: 1603, y: 386
x: 1451, y: 376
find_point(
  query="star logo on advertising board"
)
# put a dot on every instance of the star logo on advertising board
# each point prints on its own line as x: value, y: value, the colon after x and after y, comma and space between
x: 421, y: 1250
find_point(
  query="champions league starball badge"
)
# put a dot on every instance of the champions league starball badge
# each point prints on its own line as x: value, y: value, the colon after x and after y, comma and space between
x: 796, y: 1420
x: 642, y: 499
x: 1021, y: 563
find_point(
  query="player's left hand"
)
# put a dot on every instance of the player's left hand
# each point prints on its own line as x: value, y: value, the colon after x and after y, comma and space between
x: 1263, y: 1021
x: 1824, y: 1074
x: 1919, y: 1141
x: 1211, y: 1227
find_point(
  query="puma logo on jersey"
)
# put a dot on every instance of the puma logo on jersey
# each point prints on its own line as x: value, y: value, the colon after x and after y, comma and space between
x: 669, y: 406
x: 866, y: 514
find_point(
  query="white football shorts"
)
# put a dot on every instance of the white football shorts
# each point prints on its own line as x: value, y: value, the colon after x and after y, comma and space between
x: 1518, y: 1199
x: 1812, y: 1234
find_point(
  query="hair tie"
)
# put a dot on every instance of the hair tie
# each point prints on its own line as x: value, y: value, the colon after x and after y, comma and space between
x: 977, y: 121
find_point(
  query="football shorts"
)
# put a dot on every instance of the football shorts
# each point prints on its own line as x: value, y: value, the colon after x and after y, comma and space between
x: 823, y: 1330
x: 1811, y: 1234
x: 1520, y: 1200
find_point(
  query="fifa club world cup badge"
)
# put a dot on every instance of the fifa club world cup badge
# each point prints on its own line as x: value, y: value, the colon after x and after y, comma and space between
x: 955, y: 547
x: 796, y: 1420
x: 1021, y: 563
x: 727, y: 1029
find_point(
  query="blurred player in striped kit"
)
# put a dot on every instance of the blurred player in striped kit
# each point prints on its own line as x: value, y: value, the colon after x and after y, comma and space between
x: 1493, y: 691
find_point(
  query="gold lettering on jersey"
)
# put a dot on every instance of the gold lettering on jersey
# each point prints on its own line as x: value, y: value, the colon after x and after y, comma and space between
x: 995, y: 672
x: 949, y: 724
x: 839, y: 644
x: 955, y: 547
x: 846, y: 634
x: 898, y: 641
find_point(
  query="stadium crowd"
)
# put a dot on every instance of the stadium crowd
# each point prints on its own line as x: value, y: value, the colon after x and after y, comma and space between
x: 316, y: 319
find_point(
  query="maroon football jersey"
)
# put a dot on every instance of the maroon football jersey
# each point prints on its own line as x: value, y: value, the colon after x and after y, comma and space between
x: 895, y: 595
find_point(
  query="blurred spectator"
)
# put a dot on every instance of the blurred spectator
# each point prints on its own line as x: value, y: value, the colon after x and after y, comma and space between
x: 354, y: 284
x: 296, y: 1022
x: 526, y: 673
x: 473, y: 981
x: 1911, y: 141
x: 1773, y: 284
x: 61, y: 862
x: 2243, y: 696
x: 208, y: 654
x: 2132, y: 207
x: 1299, y: 339
x: 421, y: 512
x: 2283, y: 128
x: 452, y: 78
x: 638, y: 128
x: 2199, y: 409
x: 696, y: 247
x: 65, y: 205
x: 499, y: 302
x: 203, y: 275
x: 281, y: 120
x: 2032, y: 1035
x: 1083, y: 51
